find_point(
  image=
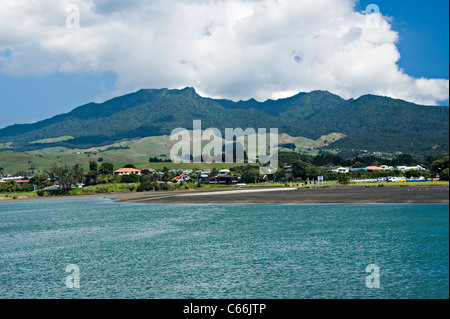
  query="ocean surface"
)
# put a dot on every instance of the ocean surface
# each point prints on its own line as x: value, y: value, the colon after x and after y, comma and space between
x: 127, y: 251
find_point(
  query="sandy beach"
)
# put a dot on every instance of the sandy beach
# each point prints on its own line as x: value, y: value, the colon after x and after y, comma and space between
x: 392, y: 194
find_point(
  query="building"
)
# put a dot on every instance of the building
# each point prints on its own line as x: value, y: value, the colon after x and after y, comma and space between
x: 181, y: 178
x: 222, y: 180
x: 374, y: 168
x: 127, y: 171
x: 18, y: 181
x: 408, y: 168
x: 342, y: 170
x: 21, y: 180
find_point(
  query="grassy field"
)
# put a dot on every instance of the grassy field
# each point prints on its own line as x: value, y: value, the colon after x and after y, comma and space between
x: 136, y: 152
x: 13, y: 162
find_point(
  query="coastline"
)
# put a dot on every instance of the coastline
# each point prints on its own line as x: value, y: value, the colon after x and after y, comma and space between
x: 264, y: 195
x: 394, y: 194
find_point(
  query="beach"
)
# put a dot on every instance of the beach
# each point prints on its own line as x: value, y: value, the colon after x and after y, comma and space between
x: 344, y: 194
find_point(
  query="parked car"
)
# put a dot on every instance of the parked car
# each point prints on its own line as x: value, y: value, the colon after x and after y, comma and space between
x: 396, y: 179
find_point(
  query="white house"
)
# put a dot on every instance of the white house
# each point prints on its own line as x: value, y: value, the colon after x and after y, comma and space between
x: 342, y: 170
x: 127, y: 171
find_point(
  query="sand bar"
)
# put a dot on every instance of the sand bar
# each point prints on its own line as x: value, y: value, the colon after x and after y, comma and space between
x: 392, y: 194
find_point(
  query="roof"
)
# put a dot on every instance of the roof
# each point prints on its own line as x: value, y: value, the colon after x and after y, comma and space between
x: 178, y: 177
x: 127, y: 170
x: 20, y: 181
x: 374, y: 168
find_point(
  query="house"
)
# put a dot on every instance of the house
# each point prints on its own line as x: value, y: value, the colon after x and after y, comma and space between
x: 181, y: 178
x: 21, y: 180
x: 223, y: 180
x: 18, y: 181
x: 359, y: 169
x: 342, y: 170
x: 417, y: 168
x: 374, y: 168
x: 408, y: 168
x: 127, y: 171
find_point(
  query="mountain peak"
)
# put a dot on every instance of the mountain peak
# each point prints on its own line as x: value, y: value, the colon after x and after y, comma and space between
x: 155, y: 112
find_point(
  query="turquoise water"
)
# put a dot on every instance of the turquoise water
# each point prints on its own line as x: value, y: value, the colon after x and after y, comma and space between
x: 222, y: 251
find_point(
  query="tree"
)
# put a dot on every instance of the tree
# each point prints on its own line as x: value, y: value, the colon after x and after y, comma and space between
x: 65, y: 177
x: 214, y: 172
x: 250, y: 176
x: 106, y: 168
x: 91, y: 178
x: 403, y: 159
x: 132, y: 178
x: 440, y: 164
x: 147, y: 184
x: 445, y: 174
x: 40, y: 181
x: 280, y: 174
x: 344, y: 179
x: 9, y: 187
x: 93, y: 166
x: 2, y: 171
x: 129, y: 166
x: 412, y: 173
x: 306, y: 170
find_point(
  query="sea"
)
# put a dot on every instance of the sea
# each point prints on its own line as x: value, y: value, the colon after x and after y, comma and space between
x: 97, y: 248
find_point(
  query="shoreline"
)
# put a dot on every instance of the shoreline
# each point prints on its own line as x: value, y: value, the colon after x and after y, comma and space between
x: 279, y: 195
x: 331, y: 195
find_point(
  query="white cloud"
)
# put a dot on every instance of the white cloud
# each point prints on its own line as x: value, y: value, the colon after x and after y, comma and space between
x: 234, y: 49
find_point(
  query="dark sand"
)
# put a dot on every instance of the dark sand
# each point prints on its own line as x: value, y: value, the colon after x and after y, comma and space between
x: 391, y: 194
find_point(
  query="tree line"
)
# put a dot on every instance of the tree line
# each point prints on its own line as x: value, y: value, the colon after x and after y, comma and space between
x: 302, y: 168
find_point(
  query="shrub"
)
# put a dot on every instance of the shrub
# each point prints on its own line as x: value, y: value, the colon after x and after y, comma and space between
x: 445, y: 174
x: 164, y: 186
x: 129, y: 178
x: 147, y: 186
x: 344, y: 179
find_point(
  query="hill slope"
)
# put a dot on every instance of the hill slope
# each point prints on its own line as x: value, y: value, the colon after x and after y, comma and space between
x: 371, y: 122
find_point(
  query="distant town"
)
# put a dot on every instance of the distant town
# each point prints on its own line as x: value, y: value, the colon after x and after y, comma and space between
x: 302, y: 170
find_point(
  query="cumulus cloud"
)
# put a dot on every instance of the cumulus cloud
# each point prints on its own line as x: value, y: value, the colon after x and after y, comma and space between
x: 237, y: 49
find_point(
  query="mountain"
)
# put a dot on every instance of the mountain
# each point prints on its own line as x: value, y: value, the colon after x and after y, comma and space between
x: 370, y: 122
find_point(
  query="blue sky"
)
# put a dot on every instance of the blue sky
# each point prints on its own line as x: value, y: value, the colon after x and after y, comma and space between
x: 424, y: 34
x: 423, y: 43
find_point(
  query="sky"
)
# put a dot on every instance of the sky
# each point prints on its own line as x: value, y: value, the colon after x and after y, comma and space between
x: 57, y: 55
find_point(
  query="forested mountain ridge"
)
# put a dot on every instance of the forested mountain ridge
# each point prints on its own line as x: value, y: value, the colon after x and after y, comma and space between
x: 370, y: 122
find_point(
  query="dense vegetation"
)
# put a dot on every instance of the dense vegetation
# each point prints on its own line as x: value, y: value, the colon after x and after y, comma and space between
x: 304, y: 167
x: 371, y: 123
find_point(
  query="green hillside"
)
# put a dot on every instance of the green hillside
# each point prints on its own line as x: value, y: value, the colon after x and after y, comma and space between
x: 373, y: 123
x: 136, y: 151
